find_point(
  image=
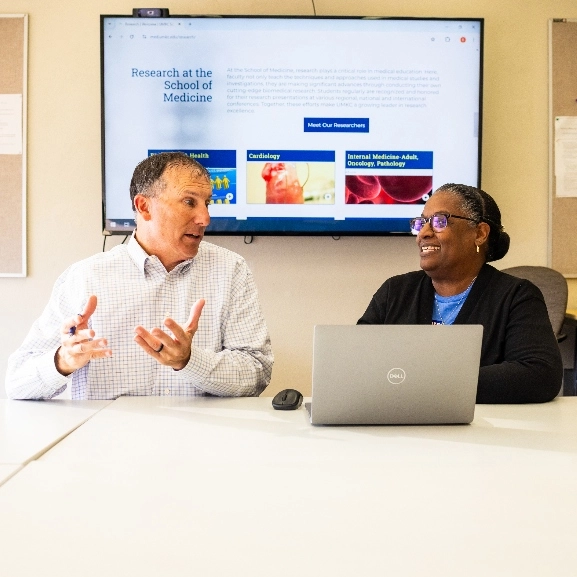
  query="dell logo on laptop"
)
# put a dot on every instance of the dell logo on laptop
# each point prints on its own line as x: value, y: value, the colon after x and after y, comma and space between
x: 396, y: 376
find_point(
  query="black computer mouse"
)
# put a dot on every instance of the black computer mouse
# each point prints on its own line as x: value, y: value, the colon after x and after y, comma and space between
x: 287, y: 400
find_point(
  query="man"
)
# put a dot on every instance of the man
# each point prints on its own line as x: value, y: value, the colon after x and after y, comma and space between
x: 128, y: 321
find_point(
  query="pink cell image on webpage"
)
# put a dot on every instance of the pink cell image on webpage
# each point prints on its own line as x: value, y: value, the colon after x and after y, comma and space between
x: 361, y: 189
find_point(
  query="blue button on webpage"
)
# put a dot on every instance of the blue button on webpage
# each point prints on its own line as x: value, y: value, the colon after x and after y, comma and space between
x: 336, y: 125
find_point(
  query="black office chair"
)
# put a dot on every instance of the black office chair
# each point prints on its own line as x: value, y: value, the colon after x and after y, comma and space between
x: 554, y: 288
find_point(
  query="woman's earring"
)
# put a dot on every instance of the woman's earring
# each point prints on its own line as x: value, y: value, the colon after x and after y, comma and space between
x: 477, y: 249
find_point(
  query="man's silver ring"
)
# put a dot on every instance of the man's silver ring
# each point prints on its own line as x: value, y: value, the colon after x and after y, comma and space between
x: 160, y: 349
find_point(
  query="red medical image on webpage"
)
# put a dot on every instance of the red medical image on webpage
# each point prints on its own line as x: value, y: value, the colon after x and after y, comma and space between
x: 282, y: 183
x: 361, y: 189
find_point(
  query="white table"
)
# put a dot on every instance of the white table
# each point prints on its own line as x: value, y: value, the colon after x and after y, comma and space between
x: 29, y: 428
x: 6, y: 471
x: 173, y: 430
x: 164, y: 486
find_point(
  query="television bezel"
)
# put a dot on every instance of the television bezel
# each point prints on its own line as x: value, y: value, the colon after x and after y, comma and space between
x: 394, y: 224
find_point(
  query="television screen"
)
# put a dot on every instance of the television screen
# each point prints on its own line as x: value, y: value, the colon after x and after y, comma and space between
x: 335, y: 126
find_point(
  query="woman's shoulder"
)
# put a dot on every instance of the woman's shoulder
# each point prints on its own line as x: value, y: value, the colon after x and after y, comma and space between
x: 406, y: 279
x: 500, y: 281
x: 402, y: 284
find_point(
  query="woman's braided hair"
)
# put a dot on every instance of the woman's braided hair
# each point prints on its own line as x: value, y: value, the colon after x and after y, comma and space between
x: 481, y: 207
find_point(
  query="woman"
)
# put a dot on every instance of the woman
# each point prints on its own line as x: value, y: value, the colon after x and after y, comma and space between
x: 459, y: 232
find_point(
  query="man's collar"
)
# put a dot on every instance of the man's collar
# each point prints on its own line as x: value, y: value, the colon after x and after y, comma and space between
x: 137, y: 253
x: 140, y: 257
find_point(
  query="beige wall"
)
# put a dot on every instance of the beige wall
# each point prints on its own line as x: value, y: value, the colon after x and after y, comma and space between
x: 302, y: 281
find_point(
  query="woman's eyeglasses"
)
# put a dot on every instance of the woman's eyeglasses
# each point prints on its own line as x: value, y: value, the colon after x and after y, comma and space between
x: 438, y: 221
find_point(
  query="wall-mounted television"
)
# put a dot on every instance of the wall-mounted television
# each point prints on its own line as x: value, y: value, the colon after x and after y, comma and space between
x: 333, y: 126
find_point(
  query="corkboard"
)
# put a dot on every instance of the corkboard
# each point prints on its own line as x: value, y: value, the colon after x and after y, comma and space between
x: 13, y: 77
x: 563, y: 102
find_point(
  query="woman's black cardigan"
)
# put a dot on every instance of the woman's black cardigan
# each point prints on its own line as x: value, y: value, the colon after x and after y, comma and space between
x: 520, y: 357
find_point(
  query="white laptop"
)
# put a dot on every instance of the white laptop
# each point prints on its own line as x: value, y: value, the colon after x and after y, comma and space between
x: 395, y: 374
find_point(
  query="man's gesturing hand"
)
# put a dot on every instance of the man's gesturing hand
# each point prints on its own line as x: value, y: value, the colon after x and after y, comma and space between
x: 78, y: 343
x: 172, y: 352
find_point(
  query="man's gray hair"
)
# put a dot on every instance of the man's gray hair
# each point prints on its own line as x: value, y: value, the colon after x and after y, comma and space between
x: 147, y: 177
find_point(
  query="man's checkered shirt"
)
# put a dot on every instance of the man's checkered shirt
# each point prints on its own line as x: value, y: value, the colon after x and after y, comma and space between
x: 231, y: 351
